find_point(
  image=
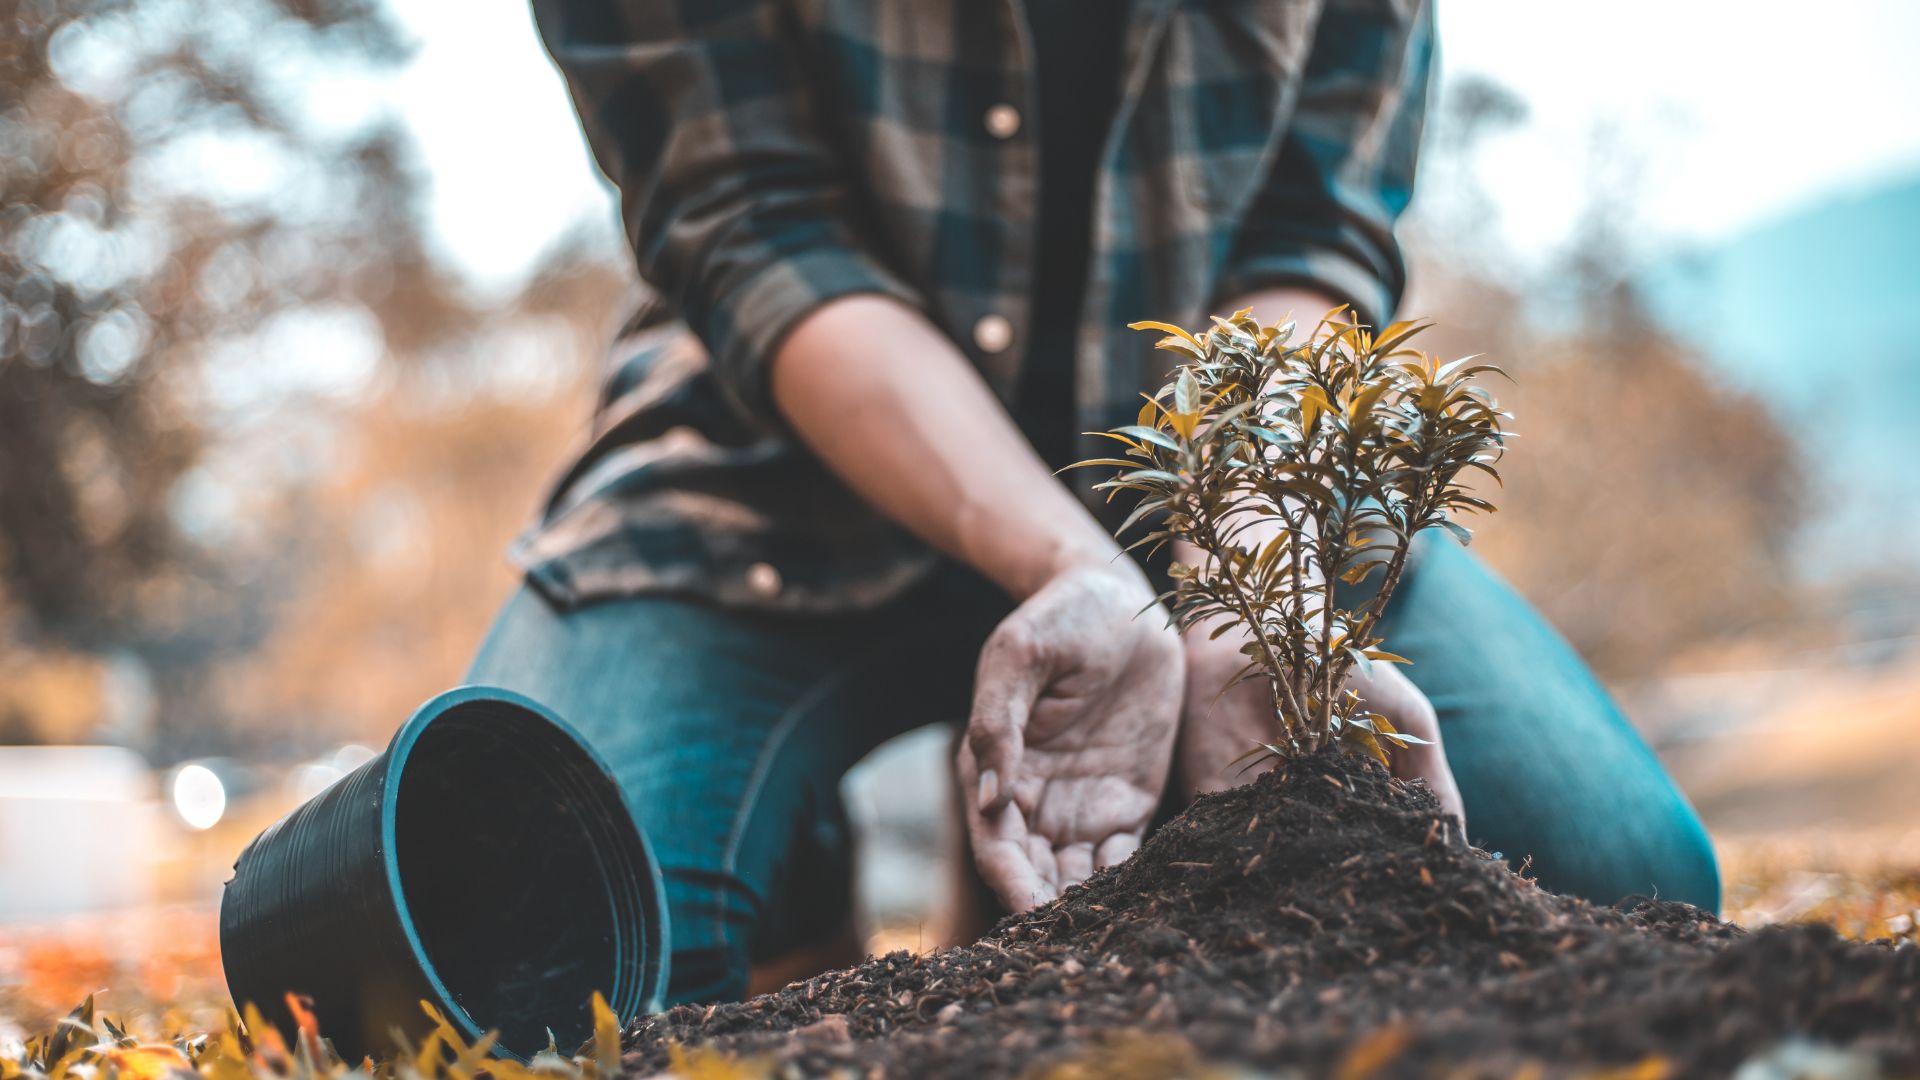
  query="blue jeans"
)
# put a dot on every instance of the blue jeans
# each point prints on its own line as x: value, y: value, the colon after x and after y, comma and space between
x: 731, y: 730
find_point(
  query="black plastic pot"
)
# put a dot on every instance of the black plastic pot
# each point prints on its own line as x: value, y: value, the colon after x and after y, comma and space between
x: 486, y: 863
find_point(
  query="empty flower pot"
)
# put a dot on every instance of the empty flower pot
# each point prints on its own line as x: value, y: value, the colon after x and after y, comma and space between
x: 486, y: 863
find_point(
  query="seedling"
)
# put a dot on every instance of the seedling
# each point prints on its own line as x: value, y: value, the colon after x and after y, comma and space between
x: 1291, y: 466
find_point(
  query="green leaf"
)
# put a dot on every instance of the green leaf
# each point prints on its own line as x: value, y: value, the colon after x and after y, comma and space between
x: 1185, y: 391
x: 1136, y: 475
x: 1139, y: 513
x: 1147, y: 434
x: 1360, y: 659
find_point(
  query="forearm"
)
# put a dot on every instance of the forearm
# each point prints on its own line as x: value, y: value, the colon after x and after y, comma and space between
x: 894, y: 409
x: 1273, y: 305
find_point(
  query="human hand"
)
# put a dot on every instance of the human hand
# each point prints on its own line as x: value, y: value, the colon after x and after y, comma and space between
x: 1076, y: 705
x: 1216, y: 730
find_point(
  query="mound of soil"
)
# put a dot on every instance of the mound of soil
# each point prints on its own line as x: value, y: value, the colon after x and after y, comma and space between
x: 1327, y: 919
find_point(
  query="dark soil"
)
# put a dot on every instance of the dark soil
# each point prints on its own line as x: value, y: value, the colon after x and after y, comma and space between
x: 1326, y: 920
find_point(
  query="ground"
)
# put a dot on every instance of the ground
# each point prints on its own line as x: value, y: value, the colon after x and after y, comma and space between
x: 1043, y: 970
x: 1315, y: 918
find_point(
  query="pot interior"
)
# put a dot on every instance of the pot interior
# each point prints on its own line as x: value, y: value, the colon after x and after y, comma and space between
x: 523, y: 873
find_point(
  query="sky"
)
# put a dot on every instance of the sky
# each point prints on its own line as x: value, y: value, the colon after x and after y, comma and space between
x: 1737, y: 111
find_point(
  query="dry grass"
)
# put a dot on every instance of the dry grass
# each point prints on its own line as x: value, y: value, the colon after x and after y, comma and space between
x: 1865, y: 885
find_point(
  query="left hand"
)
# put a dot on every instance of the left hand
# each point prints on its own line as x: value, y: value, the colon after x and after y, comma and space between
x: 1076, y: 704
x: 1216, y: 729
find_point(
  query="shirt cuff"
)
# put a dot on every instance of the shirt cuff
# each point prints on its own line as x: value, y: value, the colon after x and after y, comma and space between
x: 746, y: 326
x: 1331, y: 272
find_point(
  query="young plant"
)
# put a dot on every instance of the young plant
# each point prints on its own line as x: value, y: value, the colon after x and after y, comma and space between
x: 1292, y: 466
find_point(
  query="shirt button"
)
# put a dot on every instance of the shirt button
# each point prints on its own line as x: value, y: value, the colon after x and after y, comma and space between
x: 993, y: 333
x: 1003, y: 121
x: 763, y: 579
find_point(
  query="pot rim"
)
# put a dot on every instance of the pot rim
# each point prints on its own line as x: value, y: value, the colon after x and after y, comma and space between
x: 653, y: 943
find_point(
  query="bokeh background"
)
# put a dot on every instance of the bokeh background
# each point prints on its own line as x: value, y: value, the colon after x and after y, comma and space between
x: 302, y: 302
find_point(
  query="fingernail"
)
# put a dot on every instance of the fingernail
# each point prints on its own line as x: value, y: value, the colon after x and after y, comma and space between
x: 989, y: 788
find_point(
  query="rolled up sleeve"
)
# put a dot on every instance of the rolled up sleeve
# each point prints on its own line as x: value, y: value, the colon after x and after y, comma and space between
x: 1345, y: 167
x: 738, y: 212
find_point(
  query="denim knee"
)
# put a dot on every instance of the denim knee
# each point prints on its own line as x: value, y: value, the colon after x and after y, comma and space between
x: 1658, y: 851
x: 1687, y: 869
x: 710, y: 916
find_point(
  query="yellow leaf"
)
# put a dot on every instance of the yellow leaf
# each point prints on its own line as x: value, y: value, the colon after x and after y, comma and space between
x: 470, y: 1059
x: 1364, y: 401
x: 1115, y: 438
x: 606, y: 1038
x: 308, y: 1026
x: 1373, y: 1053
x: 700, y: 1063
x: 426, y: 1061
x: 151, y: 1062
x: 510, y: 1070
x: 1651, y: 1067
x: 264, y: 1036
x: 1367, y: 742
x: 223, y: 1058
x: 1169, y: 329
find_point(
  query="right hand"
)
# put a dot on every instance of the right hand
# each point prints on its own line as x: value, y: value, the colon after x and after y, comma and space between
x: 1218, y: 729
x: 1076, y: 705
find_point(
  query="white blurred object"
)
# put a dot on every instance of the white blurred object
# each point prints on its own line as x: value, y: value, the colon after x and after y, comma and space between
x: 79, y: 827
x: 198, y: 796
x: 898, y: 800
x: 318, y: 775
x: 1795, y: 1058
x: 312, y: 778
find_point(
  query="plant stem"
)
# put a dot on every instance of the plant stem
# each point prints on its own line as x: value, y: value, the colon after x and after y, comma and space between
x: 1395, y: 567
x: 1323, y: 723
x: 1295, y: 529
x: 1245, y: 608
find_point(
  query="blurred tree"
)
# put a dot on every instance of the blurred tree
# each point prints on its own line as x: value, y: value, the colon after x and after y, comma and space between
x: 1649, y: 507
x: 1649, y: 504
x: 202, y: 281
x: 427, y: 484
x: 122, y: 263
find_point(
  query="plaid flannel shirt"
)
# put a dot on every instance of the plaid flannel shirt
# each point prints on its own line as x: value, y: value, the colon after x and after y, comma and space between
x: 772, y: 155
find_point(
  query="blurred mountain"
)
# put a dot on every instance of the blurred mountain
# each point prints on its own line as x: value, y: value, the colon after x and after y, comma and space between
x: 1818, y: 312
